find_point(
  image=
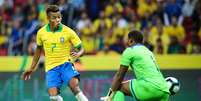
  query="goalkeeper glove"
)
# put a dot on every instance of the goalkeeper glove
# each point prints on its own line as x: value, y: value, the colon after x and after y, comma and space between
x: 109, y: 96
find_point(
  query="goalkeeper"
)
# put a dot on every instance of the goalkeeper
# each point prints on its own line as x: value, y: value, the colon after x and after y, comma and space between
x: 149, y: 84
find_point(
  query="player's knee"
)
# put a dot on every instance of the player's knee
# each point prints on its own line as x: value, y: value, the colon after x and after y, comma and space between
x: 53, y: 91
x: 74, y: 85
x: 75, y: 89
x: 125, y: 88
x: 56, y: 98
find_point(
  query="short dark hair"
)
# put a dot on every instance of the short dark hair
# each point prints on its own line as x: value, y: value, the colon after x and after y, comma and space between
x: 52, y: 8
x: 136, y: 36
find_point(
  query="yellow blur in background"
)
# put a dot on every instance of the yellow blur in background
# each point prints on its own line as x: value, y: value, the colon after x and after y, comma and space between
x: 109, y: 61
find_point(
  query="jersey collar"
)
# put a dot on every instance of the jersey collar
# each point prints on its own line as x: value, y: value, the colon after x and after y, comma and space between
x: 58, y: 30
x: 138, y: 44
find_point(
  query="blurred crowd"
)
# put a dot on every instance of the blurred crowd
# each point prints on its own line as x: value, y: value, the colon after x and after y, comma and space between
x: 169, y: 26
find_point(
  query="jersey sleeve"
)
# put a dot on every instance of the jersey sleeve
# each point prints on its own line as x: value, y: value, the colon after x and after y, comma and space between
x: 75, y: 40
x: 38, y: 39
x: 126, y: 57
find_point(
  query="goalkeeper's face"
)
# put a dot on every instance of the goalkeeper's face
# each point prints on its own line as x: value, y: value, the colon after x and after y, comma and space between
x: 55, y: 18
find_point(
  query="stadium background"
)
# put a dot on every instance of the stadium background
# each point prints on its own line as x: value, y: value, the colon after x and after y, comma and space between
x: 172, y: 30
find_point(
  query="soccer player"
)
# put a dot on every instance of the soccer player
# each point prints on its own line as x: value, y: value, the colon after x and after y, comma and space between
x: 57, y: 39
x: 149, y: 84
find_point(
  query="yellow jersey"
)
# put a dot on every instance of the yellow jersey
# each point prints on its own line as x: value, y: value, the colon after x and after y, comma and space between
x: 57, y: 45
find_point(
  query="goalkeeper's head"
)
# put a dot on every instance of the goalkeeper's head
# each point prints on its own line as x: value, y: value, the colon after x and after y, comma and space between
x: 135, y: 37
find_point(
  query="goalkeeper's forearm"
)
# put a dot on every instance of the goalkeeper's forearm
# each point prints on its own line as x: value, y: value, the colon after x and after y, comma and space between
x: 115, y: 86
x: 118, y: 78
x: 117, y: 81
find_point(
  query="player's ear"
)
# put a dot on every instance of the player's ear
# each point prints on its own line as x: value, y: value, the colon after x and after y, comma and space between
x: 131, y: 41
x: 48, y: 16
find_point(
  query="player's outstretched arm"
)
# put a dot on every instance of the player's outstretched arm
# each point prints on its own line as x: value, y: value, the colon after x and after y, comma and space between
x: 116, y: 83
x: 26, y: 75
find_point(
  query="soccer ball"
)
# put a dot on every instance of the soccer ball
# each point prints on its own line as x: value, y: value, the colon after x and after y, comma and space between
x: 173, y: 84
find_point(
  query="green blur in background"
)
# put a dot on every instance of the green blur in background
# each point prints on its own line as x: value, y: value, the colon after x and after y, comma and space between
x: 96, y: 77
x: 94, y: 84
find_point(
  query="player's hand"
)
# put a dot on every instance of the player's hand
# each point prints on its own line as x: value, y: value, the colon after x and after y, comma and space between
x: 75, y: 54
x: 106, y: 98
x: 26, y: 75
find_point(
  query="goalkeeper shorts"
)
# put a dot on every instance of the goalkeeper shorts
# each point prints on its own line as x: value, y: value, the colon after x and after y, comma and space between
x: 145, y: 91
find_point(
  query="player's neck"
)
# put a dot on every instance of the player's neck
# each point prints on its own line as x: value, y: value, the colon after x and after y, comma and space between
x: 53, y: 27
x: 136, y: 44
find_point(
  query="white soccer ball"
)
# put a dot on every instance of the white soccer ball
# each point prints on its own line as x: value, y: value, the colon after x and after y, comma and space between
x: 173, y: 84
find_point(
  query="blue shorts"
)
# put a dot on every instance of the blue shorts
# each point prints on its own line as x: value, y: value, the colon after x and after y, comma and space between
x: 61, y: 74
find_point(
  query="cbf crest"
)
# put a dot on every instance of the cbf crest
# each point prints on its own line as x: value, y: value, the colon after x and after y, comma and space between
x: 62, y: 39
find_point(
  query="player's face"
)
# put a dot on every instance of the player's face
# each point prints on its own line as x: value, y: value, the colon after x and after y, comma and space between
x: 55, y: 18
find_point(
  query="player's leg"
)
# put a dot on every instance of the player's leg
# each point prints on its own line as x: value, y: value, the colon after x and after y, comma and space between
x: 165, y: 97
x: 124, y: 90
x: 146, y: 91
x: 119, y: 96
x: 53, y: 83
x: 74, y: 86
x: 142, y: 90
x: 54, y: 94
x: 71, y: 77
